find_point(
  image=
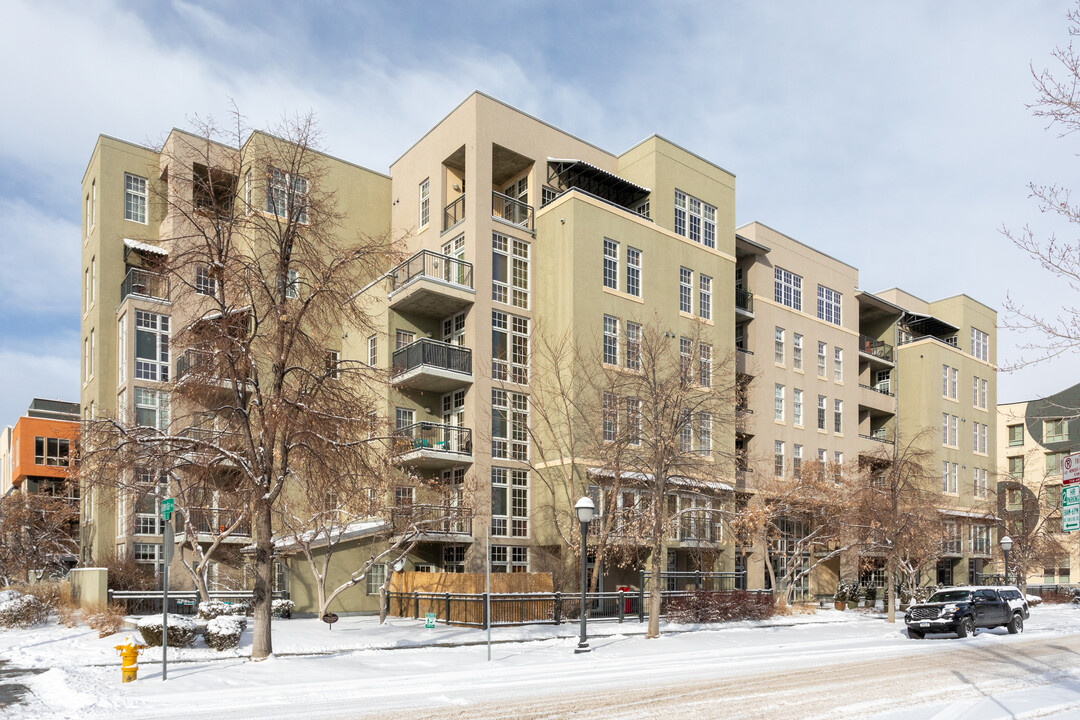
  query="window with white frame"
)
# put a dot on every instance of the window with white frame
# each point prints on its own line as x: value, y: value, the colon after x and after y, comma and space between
x: 980, y: 345
x: 135, y: 198
x: 404, y: 417
x: 510, y: 271
x: 633, y: 271
x: 633, y: 420
x: 980, y: 539
x: 695, y: 219
x: 828, y: 305
x: 633, y: 346
x: 509, y: 425
x: 611, y: 417
x: 705, y: 364
x: 838, y: 466
x: 247, y: 191
x: 509, y: 502
x: 519, y: 274
x: 151, y: 408
x: 611, y: 340
x: 425, y: 201
x: 205, y: 282
x: 778, y: 458
x: 980, y: 486
x: 778, y: 349
x: 796, y: 406
x: 611, y: 264
x: 642, y: 208
x: 778, y: 402
x: 686, y: 431
x: 796, y: 351
x: 705, y: 433
x: 704, y: 297
x: 796, y: 461
x: 403, y: 338
x: 787, y: 288
x: 509, y: 347
x: 292, y: 284
x: 372, y: 350
x: 821, y: 348
x: 151, y: 346
x: 332, y: 364
x: 376, y: 576
x: 509, y: 559
x: 285, y: 191
x: 1056, y: 430
x: 686, y: 290
x: 978, y: 393
x: 686, y: 359
x: 150, y: 555
x: 838, y: 416
x: 121, y: 350
x: 954, y: 435
x: 821, y: 411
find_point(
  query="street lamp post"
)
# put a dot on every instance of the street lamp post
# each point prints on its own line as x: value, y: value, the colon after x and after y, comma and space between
x: 1006, y: 545
x: 585, y: 509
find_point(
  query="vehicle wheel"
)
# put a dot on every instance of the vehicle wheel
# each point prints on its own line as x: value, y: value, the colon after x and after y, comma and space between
x: 1016, y: 625
x: 965, y: 628
x: 915, y: 634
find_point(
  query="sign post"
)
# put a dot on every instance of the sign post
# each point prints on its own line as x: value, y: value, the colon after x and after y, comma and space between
x: 167, y: 505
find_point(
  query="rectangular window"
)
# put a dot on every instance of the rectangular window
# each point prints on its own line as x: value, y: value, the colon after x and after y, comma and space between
x: 500, y: 268
x: 828, y: 305
x: 519, y: 274
x: 509, y: 347
x: 980, y: 345
x: 121, y: 350
x: 151, y: 408
x: 1016, y: 467
x: 838, y: 416
x: 205, y: 282
x: 509, y: 502
x: 950, y: 477
x: 695, y: 219
x: 838, y: 466
x: 705, y: 364
x: 425, y: 201
x: 611, y: 264
x: 705, y: 297
x: 821, y: 359
x: 982, y: 393
x: 1053, y: 463
x: 51, y: 451
x: 642, y: 208
x: 954, y: 434
x: 633, y: 346
x: 404, y: 417
x: 778, y: 343
x: 134, y: 198
x: 1055, y: 430
x: 373, y: 350
x: 633, y: 420
x: 285, y: 192
x: 686, y: 290
x: 686, y: 432
x: 944, y: 428
x: 821, y: 410
x: 151, y: 346
x: 611, y: 417
x: 611, y: 340
x: 954, y: 383
x: 838, y: 364
x: 796, y: 406
x: 376, y: 576
x: 980, y: 486
x: 247, y: 192
x: 333, y: 364
x: 403, y: 338
x: 633, y: 272
x: 787, y: 288
x: 509, y: 425
x: 778, y: 458
x: 944, y: 381
x: 796, y: 461
x: 796, y: 351
x: 778, y: 403
x: 705, y: 433
x: 1016, y: 435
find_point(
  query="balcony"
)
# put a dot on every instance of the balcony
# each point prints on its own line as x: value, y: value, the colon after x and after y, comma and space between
x: 744, y: 303
x: 878, y: 436
x: 453, y: 213
x: 512, y: 211
x: 744, y: 421
x: 212, y: 522
x: 201, y: 364
x: 877, y: 400
x: 433, y: 446
x: 432, y: 365
x: 433, y: 522
x: 952, y: 548
x: 876, y: 351
x: 743, y: 361
x: 432, y: 285
x: 696, y: 529
x: 144, y: 284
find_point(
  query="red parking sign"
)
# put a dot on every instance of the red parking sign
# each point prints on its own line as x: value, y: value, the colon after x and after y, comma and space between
x: 1070, y: 469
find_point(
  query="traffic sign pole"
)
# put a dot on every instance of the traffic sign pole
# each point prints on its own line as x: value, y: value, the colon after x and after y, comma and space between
x: 167, y: 505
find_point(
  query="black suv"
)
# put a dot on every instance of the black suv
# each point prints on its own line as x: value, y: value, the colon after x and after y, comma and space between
x: 961, y: 610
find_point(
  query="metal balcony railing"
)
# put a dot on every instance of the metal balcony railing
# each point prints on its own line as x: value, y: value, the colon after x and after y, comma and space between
x: 951, y: 547
x: 511, y: 210
x: 210, y: 436
x: 434, y: 436
x: 881, y: 388
x: 432, y: 265
x: 214, y: 521
x: 453, y: 213
x: 200, y: 362
x: 433, y: 353
x: 744, y: 300
x: 144, y: 283
x: 428, y: 519
x: 877, y: 437
x: 877, y: 348
x: 698, y: 529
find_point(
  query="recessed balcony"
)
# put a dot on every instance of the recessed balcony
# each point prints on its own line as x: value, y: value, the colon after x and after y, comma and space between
x: 144, y: 284
x: 431, y: 285
x: 446, y: 523
x: 744, y: 303
x: 210, y: 523
x: 877, y: 400
x: 511, y: 211
x: 744, y: 361
x: 432, y: 365
x: 433, y: 446
x: 877, y: 352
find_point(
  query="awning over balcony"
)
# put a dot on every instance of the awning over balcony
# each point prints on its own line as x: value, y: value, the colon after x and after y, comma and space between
x: 675, y: 480
x: 566, y: 173
x: 139, y: 246
x: 919, y: 325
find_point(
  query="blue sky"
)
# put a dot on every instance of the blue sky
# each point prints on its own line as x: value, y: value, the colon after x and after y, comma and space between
x: 894, y: 137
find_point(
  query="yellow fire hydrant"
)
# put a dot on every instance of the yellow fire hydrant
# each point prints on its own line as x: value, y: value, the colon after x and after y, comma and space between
x: 129, y: 659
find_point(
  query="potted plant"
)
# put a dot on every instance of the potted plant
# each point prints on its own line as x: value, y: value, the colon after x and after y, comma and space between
x: 871, y: 596
x: 904, y: 594
x: 840, y: 597
x: 854, y: 595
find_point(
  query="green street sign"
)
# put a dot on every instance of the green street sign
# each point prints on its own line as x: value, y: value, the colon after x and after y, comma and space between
x: 429, y: 621
x: 1070, y: 508
x: 167, y: 508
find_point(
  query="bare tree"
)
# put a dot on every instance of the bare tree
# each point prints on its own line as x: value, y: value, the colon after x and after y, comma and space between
x: 37, y: 535
x: 1029, y: 512
x: 260, y: 264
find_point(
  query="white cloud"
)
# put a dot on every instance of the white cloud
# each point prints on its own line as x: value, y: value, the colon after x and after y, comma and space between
x: 37, y: 372
x: 40, y: 271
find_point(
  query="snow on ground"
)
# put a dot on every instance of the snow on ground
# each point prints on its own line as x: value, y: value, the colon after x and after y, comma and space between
x: 347, y: 671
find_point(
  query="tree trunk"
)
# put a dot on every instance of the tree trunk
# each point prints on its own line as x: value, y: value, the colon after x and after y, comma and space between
x: 655, y: 597
x: 890, y: 594
x: 261, y: 643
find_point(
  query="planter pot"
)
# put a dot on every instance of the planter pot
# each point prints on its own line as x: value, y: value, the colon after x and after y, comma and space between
x: 839, y: 604
x: 852, y: 604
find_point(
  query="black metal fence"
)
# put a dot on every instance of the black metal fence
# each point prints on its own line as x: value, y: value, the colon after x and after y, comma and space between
x: 511, y: 210
x: 434, y: 436
x: 433, y: 353
x: 432, y: 519
x: 432, y: 265
x: 144, y: 283
x: 744, y: 300
x: 181, y: 602
x: 454, y: 213
x: 877, y: 348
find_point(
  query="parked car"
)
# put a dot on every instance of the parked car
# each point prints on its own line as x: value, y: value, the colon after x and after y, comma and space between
x: 961, y: 610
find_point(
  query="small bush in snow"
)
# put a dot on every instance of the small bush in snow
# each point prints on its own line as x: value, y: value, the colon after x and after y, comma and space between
x: 871, y: 594
x: 106, y: 620
x: 1033, y: 599
x: 182, y: 630
x: 702, y: 606
x: 223, y: 633
x: 283, y: 608
x: 239, y: 608
x: 213, y: 609
x: 23, y: 611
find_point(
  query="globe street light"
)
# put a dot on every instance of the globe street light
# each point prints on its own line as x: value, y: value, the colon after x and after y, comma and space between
x: 585, y: 510
x: 1006, y: 545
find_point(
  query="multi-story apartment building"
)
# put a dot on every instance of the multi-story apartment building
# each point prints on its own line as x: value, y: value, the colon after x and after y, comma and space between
x: 515, y: 230
x: 41, y: 444
x: 1035, y: 436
